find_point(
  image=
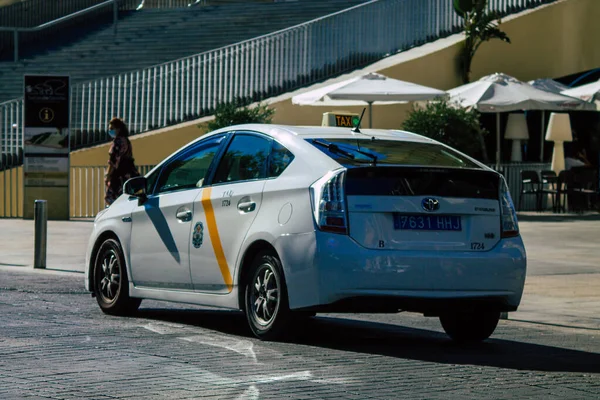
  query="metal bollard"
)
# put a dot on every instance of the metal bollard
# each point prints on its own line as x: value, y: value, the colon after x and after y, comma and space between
x: 40, y: 211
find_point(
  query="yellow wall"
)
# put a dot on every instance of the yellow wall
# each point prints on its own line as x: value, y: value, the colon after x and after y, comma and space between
x: 11, y: 192
x: 148, y: 148
x: 552, y: 41
x: 7, y: 2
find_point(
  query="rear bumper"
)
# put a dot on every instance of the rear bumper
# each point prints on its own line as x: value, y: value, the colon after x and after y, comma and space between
x: 338, y: 274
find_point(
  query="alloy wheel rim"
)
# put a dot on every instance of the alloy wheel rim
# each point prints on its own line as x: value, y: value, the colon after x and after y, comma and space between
x: 264, y: 298
x: 110, y: 273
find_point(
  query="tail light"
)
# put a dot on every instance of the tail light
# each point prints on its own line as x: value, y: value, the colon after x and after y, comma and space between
x: 329, y: 202
x: 508, y: 215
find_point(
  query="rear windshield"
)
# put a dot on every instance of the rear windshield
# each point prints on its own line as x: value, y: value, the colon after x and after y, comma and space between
x: 355, y: 152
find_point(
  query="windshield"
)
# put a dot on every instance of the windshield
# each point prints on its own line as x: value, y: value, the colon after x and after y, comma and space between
x: 355, y: 152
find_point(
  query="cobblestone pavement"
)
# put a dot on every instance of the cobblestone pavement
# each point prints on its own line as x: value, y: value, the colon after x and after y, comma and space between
x: 56, y: 344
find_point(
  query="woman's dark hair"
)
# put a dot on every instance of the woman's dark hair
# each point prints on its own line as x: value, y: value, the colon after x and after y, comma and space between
x: 119, y: 126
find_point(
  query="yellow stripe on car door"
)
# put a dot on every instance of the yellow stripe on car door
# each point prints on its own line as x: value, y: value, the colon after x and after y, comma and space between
x: 213, y: 232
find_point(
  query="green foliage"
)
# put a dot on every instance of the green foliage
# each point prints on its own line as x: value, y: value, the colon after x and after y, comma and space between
x: 238, y: 112
x: 479, y: 27
x: 457, y: 127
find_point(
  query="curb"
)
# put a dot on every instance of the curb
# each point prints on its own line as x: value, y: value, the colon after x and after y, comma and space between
x: 549, y: 217
x: 30, y: 270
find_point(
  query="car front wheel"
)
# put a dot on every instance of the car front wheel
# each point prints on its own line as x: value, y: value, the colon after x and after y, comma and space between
x: 111, y: 286
x: 266, y: 303
x: 470, y: 327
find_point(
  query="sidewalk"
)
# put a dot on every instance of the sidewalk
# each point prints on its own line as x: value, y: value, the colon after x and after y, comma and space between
x: 67, y: 243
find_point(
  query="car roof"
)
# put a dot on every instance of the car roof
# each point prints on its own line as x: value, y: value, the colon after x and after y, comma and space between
x: 285, y: 133
x: 329, y: 132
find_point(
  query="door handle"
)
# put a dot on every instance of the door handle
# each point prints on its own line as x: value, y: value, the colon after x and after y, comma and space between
x: 247, y: 206
x: 184, y: 215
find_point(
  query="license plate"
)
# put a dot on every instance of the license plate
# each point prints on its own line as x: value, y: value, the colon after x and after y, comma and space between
x: 427, y: 222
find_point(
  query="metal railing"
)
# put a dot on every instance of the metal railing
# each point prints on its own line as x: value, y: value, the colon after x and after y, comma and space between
x: 36, y: 12
x: 11, y: 134
x: 265, y: 66
x: 26, y: 15
x: 512, y: 174
x: 33, y: 16
x: 144, y: 4
x: 87, y: 186
x: 87, y: 189
x: 17, y: 30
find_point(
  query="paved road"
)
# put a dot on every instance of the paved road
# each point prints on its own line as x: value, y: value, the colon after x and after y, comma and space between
x: 55, y: 343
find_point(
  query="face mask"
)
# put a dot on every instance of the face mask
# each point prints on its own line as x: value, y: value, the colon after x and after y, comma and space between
x: 112, y: 133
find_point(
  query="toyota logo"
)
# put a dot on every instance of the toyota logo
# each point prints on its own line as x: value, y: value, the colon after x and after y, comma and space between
x: 430, y: 204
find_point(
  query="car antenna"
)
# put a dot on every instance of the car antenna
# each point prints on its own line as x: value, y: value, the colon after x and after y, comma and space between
x: 357, y: 127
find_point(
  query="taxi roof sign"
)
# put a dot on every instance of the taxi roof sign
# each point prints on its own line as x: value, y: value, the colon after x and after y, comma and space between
x: 342, y: 119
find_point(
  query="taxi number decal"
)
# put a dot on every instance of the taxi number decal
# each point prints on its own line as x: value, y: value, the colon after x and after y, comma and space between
x: 477, y: 246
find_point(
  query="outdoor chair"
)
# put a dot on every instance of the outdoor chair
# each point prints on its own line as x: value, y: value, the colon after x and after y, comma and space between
x: 582, y: 186
x: 549, y: 185
x: 530, y: 185
x: 562, y: 186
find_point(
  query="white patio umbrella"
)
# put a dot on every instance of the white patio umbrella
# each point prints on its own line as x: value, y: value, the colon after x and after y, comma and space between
x: 367, y: 89
x: 548, y: 85
x: 589, y: 92
x: 501, y: 93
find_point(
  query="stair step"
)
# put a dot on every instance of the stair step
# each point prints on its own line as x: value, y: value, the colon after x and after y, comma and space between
x: 150, y: 37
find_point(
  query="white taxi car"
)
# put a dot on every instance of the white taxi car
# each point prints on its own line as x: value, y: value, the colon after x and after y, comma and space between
x: 283, y: 222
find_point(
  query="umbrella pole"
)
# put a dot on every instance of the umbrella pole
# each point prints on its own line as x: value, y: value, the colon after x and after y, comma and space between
x: 498, y: 154
x: 542, y: 138
x: 370, y: 114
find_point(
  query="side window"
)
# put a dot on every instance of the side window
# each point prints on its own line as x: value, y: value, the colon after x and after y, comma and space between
x: 245, y: 159
x: 151, y: 180
x: 188, y: 170
x: 279, y: 160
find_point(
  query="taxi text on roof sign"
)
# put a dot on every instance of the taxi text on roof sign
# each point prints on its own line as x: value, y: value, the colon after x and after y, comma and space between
x: 348, y: 120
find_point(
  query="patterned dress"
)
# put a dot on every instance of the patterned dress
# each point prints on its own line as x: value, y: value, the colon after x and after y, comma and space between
x: 121, y: 167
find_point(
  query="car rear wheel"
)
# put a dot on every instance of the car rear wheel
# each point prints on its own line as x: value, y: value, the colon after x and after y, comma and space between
x: 111, y: 286
x: 470, y: 327
x: 266, y: 302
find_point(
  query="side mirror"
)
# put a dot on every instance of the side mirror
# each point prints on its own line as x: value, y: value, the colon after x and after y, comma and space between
x: 136, y: 187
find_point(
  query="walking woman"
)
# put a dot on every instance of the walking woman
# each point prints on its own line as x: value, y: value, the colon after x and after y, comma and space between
x: 121, y: 165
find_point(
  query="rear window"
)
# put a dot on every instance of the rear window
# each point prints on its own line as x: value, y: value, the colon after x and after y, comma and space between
x: 355, y: 152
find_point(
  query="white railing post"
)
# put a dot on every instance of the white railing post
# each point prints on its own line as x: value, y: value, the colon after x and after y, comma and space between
x: 176, y: 76
x: 95, y: 120
x: 194, y: 87
x: 154, y: 80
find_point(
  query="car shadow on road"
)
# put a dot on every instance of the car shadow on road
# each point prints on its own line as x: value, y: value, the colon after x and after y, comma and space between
x: 396, y: 341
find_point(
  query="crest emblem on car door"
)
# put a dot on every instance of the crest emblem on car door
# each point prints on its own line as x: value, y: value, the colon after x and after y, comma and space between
x: 198, y: 235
